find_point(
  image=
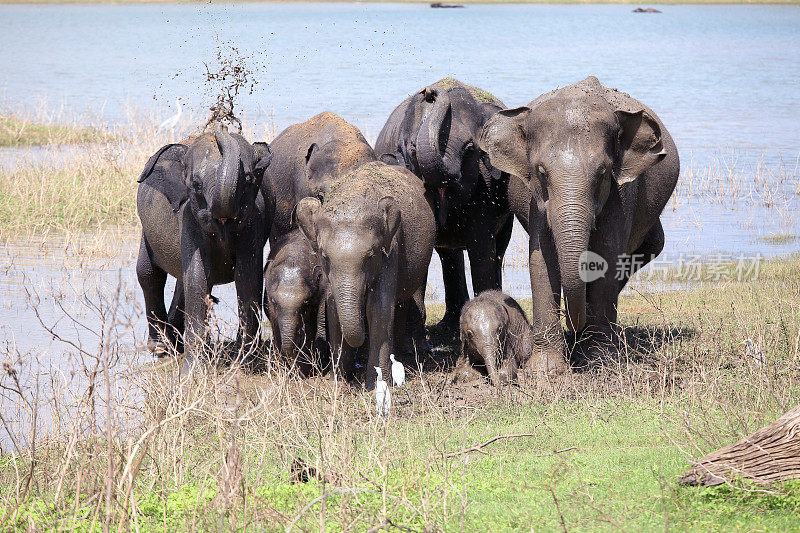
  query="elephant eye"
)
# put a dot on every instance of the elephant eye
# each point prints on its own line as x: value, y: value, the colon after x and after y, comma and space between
x: 469, y: 333
x: 541, y: 171
x: 197, y: 185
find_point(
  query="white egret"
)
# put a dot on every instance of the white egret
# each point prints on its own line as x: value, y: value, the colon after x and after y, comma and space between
x: 172, y: 121
x: 398, y: 372
x: 383, y: 398
x: 754, y: 352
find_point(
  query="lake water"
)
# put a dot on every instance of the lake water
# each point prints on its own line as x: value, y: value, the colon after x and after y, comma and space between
x: 724, y: 79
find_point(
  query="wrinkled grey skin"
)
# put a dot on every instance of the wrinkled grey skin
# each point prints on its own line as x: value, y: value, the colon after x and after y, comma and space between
x: 374, y: 234
x: 496, y: 335
x: 434, y: 134
x: 216, y: 236
x: 308, y: 156
x: 592, y: 170
x: 294, y: 300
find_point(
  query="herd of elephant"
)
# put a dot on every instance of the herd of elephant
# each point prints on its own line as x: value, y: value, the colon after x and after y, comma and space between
x: 352, y: 228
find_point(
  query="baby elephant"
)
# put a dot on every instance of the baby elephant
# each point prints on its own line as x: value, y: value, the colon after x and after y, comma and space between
x: 294, y: 290
x: 495, y: 334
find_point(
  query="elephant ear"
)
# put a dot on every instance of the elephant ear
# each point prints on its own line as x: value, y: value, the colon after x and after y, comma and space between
x: 639, y: 145
x: 263, y: 157
x: 389, y: 159
x: 391, y: 220
x: 165, y: 172
x: 505, y: 140
x: 305, y: 214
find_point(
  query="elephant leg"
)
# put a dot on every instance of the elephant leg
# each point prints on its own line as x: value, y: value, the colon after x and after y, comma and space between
x: 381, y: 302
x: 482, y: 250
x: 652, y: 245
x: 177, y: 317
x: 249, y: 280
x: 548, y: 343
x: 455, y: 288
x: 152, y: 279
x: 416, y: 316
x: 502, y: 240
x: 197, y: 288
x: 404, y: 343
x: 342, y: 354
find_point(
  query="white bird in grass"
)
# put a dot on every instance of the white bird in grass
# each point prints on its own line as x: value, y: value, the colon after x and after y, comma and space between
x: 383, y: 398
x: 172, y: 121
x: 398, y: 372
x: 754, y: 352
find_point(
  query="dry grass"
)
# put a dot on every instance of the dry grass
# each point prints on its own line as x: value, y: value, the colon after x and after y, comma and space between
x: 220, y: 448
x: 38, y: 130
x: 91, y: 187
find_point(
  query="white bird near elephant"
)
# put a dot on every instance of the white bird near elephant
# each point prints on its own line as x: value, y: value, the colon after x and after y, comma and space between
x: 383, y: 397
x: 398, y: 372
x: 172, y: 121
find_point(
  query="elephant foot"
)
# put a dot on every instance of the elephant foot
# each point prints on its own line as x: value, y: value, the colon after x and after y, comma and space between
x: 595, y: 348
x: 159, y: 348
x: 548, y: 363
x: 448, y: 325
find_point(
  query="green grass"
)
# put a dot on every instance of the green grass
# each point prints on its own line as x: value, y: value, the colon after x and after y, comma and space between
x: 18, y: 131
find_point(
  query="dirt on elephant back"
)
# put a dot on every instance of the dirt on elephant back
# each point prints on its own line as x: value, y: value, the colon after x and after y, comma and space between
x: 484, y: 97
x: 368, y: 179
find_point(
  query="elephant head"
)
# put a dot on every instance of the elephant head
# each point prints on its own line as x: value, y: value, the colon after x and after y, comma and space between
x: 294, y: 289
x: 440, y: 146
x: 219, y: 174
x: 484, y: 334
x: 333, y: 159
x: 352, y: 249
x: 574, y: 148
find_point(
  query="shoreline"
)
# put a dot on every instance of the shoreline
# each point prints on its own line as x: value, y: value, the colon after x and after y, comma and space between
x: 462, y: 2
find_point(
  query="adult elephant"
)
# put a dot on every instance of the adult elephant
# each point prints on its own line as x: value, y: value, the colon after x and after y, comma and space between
x: 307, y: 157
x: 204, y: 222
x: 592, y: 170
x: 434, y: 133
x: 374, y: 234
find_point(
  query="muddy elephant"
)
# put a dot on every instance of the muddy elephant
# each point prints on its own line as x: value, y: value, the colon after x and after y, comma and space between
x: 592, y: 170
x: 374, y: 233
x: 294, y: 300
x: 496, y: 335
x: 434, y: 134
x: 204, y: 222
x: 308, y: 156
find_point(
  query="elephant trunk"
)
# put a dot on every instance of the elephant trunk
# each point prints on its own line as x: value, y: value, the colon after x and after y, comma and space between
x: 440, y: 150
x: 289, y: 342
x: 349, y: 298
x: 571, y: 228
x: 224, y: 193
x: 490, y: 353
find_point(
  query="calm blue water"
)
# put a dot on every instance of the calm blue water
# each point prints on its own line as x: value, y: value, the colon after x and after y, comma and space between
x: 719, y: 76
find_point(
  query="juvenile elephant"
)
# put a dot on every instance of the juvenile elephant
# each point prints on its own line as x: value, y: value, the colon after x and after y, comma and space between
x: 495, y: 334
x: 374, y: 233
x: 592, y: 170
x: 308, y: 156
x: 205, y: 223
x: 294, y: 300
x: 434, y: 134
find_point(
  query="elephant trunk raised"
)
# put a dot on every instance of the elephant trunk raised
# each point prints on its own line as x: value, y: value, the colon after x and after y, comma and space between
x: 225, y: 191
x: 440, y: 150
x: 348, y: 295
x: 571, y: 221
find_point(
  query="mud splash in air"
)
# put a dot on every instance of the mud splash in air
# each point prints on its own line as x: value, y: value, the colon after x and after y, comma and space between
x: 230, y: 75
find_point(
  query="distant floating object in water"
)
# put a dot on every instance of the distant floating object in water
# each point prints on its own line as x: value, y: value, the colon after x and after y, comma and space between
x: 443, y: 5
x: 646, y: 10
